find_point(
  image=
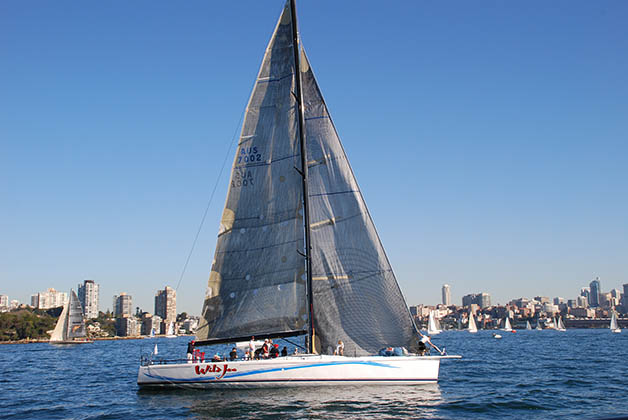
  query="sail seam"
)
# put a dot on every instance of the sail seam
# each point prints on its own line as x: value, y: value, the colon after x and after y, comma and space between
x: 257, y: 249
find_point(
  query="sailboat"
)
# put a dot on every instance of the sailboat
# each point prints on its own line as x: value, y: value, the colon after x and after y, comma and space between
x: 507, y: 326
x: 297, y: 253
x: 528, y: 326
x: 472, y: 327
x: 559, y: 324
x: 432, y: 326
x: 70, y: 328
x: 614, y: 326
x: 170, y: 333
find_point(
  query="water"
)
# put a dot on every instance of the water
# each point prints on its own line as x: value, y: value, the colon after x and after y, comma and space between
x: 530, y: 374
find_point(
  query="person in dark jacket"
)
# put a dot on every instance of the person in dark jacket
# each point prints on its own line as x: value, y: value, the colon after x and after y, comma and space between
x: 190, y: 351
x: 284, y: 351
x: 274, y: 351
x: 234, y: 354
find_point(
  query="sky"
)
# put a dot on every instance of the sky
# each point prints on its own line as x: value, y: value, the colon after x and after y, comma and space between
x: 489, y: 139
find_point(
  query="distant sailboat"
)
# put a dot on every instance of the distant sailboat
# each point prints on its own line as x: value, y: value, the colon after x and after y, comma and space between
x: 70, y: 328
x: 559, y: 324
x: 432, y: 327
x: 170, y: 333
x: 507, y: 326
x: 614, y: 324
x: 472, y: 327
x: 528, y: 326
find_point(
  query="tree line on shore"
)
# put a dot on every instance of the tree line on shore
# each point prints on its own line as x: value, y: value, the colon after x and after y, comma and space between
x: 35, y: 324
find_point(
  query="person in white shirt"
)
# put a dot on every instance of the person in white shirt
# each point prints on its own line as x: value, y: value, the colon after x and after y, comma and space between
x: 340, y: 348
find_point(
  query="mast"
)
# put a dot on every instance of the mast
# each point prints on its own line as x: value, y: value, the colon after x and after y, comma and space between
x: 306, y: 206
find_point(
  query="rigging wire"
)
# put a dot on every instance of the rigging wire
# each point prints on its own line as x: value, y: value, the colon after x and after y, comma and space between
x: 211, y: 197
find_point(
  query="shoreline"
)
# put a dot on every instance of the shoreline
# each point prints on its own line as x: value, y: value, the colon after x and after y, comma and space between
x: 41, y: 340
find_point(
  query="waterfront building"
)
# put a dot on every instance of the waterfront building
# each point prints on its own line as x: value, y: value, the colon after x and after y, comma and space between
x: 127, y: 326
x: 88, y: 294
x: 151, y: 323
x: 49, y: 299
x: 582, y: 302
x: 166, y: 304
x: 542, y: 299
x: 446, y: 292
x: 122, y: 305
x: 550, y: 308
x: 594, y: 296
x: 4, y: 303
x: 190, y: 325
x: 582, y: 312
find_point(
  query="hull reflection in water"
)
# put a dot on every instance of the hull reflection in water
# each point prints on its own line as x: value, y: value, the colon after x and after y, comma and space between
x: 291, y: 371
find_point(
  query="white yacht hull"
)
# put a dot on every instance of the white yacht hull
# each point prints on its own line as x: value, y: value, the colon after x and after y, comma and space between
x: 307, y: 370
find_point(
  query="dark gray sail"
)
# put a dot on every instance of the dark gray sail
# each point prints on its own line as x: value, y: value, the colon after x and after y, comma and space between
x: 257, y: 281
x: 356, y: 297
x: 76, y: 324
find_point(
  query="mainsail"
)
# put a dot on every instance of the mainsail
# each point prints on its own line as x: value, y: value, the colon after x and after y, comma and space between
x: 258, y: 282
x: 76, y: 324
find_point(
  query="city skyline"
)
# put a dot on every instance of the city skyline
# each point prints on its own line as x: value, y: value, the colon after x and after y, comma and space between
x: 457, y: 299
x: 490, y: 150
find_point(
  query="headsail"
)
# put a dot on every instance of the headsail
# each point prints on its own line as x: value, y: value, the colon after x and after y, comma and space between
x: 356, y: 295
x: 257, y: 281
x: 59, y: 333
x: 472, y: 327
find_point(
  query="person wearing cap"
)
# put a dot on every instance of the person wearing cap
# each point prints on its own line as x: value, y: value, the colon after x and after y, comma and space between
x: 190, y: 351
x: 274, y: 351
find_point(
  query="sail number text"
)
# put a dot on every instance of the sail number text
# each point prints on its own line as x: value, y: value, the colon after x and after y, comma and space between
x: 241, y: 178
x: 249, y: 154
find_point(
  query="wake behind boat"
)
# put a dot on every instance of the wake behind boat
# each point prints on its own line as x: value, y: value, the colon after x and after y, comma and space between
x: 297, y: 252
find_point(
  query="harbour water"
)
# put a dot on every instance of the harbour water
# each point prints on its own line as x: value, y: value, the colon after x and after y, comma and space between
x: 530, y: 374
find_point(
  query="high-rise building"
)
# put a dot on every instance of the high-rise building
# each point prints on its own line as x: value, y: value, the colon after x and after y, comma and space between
x: 625, y: 296
x: 88, y: 296
x: 166, y: 304
x: 483, y: 300
x: 49, y: 299
x: 122, y: 305
x: 446, y: 295
x: 4, y: 303
x: 594, y: 296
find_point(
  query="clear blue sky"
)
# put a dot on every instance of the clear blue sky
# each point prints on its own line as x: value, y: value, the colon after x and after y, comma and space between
x: 490, y: 139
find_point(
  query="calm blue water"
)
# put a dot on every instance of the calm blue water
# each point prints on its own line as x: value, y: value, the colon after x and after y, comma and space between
x: 530, y: 374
